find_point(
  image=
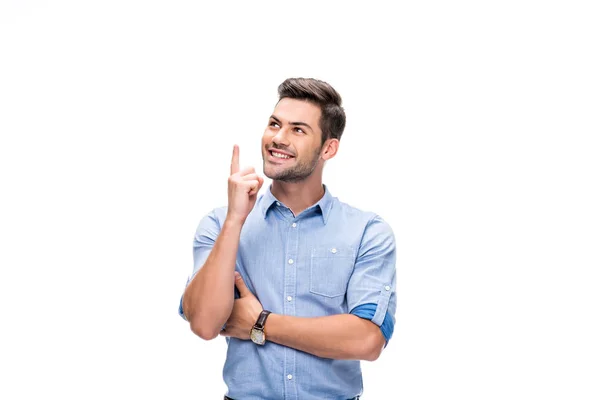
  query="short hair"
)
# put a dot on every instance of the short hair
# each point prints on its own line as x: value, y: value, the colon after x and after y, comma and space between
x: 333, y: 117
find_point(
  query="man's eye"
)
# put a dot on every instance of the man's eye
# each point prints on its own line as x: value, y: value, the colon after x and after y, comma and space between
x: 273, y: 123
x: 299, y: 130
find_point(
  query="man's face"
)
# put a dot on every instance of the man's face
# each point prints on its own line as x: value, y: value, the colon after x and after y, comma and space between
x: 292, y: 141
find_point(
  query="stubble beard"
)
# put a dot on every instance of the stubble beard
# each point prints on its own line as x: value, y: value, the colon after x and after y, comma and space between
x: 296, y: 173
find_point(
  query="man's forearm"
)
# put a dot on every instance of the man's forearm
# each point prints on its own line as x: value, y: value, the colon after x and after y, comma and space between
x: 341, y: 337
x: 208, y: 299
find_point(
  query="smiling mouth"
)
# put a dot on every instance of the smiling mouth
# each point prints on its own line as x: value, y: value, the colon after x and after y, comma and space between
x: 280, y: 156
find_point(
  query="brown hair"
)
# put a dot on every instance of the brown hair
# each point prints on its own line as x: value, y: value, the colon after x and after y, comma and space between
x: 333, y: 117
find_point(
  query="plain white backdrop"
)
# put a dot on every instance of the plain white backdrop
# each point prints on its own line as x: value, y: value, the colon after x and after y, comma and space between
x: 472, y: 129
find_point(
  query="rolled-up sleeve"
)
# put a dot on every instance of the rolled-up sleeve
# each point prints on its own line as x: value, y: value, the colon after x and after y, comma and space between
x: 373, y: 281
x: 206, y: 234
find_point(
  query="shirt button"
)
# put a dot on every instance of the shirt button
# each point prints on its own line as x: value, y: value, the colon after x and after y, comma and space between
x: 387, y: 288
x: 334, y: 250
x: 289, y: 298
x: 278, y: 203
x: 290, y: 261
x: 290, y: 376
x: 294, y: 225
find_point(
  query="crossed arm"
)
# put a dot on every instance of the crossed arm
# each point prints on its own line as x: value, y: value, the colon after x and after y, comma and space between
x: 341, y: 337
x: 208, y: 304
x: 208, y: 301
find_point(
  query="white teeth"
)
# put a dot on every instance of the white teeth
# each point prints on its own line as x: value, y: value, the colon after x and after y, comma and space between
x: 279, y: 155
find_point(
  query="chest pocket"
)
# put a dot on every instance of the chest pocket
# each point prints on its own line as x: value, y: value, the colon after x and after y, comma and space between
x: 330, y: 270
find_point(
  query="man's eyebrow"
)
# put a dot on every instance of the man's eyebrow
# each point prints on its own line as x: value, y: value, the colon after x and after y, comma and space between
x: 292, y: 123
x: 301, y: 124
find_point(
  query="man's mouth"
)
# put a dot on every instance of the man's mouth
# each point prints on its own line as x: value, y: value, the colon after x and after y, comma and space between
x: 277, y: 154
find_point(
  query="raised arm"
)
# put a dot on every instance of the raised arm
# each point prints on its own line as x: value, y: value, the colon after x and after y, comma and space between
x: 208, y: 298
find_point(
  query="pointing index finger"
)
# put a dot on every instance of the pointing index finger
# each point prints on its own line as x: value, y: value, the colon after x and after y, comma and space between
x: 235, y: 159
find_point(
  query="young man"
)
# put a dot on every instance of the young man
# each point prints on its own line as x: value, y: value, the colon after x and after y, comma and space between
x: 316, y: 277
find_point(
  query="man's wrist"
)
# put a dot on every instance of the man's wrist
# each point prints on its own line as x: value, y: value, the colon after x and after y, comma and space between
x: 262, y: 319
x: 232, y: 223
x: 271, y: 326
x: 258, y: 333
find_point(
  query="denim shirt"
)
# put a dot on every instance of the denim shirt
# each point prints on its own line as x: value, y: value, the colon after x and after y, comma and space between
x: 330, y: 259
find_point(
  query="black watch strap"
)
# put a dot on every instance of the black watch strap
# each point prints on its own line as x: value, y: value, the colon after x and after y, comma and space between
x: 262, y: 319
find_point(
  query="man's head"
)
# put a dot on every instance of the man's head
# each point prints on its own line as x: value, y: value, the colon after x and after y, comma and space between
x: 304, y: 130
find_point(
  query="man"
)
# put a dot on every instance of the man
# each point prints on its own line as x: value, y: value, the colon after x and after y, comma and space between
x: 316, y: 277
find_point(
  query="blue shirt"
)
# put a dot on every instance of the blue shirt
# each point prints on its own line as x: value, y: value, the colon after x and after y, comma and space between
x: 330, y: 259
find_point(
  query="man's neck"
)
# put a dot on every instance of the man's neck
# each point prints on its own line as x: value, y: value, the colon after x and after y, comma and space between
x: 298, y: 196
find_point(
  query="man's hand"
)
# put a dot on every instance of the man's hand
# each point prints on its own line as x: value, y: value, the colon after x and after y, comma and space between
x: 243, y: 188
x: 245, y: 312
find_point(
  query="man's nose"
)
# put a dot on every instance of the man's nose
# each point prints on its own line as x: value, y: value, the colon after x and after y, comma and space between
x: 281, y: 137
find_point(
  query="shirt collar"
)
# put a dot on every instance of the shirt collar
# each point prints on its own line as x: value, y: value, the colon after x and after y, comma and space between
x: 324, y: 204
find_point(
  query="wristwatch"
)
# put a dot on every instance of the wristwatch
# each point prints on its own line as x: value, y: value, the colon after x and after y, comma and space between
x: 257, y: 334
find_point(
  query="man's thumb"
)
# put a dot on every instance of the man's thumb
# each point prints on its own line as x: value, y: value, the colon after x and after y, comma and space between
x: 241, y: 285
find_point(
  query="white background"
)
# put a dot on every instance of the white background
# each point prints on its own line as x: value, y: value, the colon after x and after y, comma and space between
x: 472, y: 129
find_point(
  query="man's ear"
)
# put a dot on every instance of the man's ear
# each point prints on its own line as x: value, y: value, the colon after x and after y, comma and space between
x: 330, y: 149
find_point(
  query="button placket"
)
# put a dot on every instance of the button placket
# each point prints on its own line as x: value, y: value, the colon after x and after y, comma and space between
x: 289, y: 305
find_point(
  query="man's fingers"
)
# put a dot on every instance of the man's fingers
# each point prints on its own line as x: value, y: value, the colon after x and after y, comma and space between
x: 246, y: 171
x: 251, y: 177
x: 256, y: 189
x: 251, y: 186
x: 235, y: 159
x: 241, y: 285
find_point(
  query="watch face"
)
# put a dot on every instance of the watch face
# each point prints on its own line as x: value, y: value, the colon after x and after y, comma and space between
x: 257, y: 336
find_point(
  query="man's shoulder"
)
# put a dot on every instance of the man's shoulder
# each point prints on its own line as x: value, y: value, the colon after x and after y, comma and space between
x: 220, y: 213
x: 367, y: 218
x: 350, y: 211
x: 215, y: 216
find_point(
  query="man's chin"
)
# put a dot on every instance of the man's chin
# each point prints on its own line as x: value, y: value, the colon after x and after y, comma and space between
x: 283, y: 175
x: 273, y: 173
x: 274, y: 176
x: 270, y: 174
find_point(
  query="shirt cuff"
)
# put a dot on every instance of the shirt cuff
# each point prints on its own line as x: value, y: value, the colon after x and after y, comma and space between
x: 368, y: 311
x: 181, y: 314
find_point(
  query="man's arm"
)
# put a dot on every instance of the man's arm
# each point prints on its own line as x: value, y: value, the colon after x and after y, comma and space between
x: 208, y: 299
x: 341, y: 337
x: 370, y: 294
